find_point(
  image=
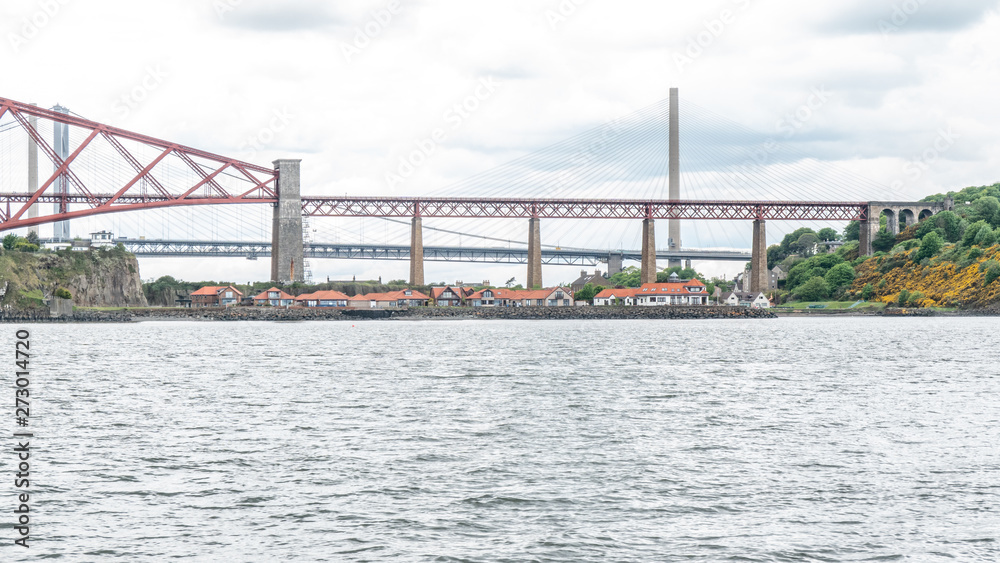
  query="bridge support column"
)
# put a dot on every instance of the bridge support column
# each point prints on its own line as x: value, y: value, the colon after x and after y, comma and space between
x: 648, y: 274
x: 615, y: 260
x: 32, y: 170
x: 758, y: 258
x: 869, y: 230
x: 416, y: 252
x: 674, y: 178
x: 286, y: 229
x: 534, y: 253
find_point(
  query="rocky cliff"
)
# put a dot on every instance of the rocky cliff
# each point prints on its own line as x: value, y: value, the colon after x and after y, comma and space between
x: 98, y: 278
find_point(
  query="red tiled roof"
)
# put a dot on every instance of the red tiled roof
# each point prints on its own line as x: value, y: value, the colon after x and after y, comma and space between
x: 437, y: 291
x: 678, y: 288
x: 208, y: 290
x: 519, y: 294
x: 214, y: 290
x: 330, y: 295
x: 263, y: 296
x: 390, y: 296
x: 619, y: 293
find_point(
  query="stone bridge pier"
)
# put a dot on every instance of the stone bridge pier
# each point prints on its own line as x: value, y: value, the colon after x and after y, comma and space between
x: 286, y: 230
x: 896, y: 212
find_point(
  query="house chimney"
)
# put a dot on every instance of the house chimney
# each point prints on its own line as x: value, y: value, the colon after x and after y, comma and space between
x: 597, y: 273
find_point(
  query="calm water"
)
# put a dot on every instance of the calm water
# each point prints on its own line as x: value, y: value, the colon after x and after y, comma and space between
x: 857, y: 439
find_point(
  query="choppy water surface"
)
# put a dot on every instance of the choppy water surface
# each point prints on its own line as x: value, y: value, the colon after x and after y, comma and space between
x: 849, y: 439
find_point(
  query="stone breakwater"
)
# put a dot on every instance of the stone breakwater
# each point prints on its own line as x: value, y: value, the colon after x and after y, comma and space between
x: 79, y: 316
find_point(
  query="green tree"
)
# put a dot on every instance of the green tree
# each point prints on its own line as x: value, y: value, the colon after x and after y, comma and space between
x: 806, y: 244
x: 929, y: 246
x: 815, y: 289
x: 986, y: 208
x: 868, y: 292
x: 33, y: 238
x: 946, y: 223
x: 852, y: 231
x: 827, y: 234
x: 774, y: 255
x: 903, y: 298
x: 587, y: 293
x: 992, y: 273
x: 884, y: 241
x: 969, y: 238
x: 10, y: 241
x: 25, y: 246
x: 985, y: 237
x: 840, y: 276
x: 914, y: 299
x: 629, y: 277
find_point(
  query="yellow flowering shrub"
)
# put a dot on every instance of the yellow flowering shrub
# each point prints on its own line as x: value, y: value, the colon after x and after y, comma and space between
x: 943, y: 283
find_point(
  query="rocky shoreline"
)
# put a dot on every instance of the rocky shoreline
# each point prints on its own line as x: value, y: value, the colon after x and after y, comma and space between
x: 420, y: 313
x: 82, y: 315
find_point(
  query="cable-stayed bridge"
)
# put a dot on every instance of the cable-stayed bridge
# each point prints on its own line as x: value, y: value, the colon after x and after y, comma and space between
x: 494, y: 255
x: 603, y: 182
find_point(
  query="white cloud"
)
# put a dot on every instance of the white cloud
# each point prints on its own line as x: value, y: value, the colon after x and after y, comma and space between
x: 226, y: 76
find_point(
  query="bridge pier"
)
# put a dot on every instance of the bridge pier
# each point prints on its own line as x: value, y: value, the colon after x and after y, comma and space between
x: 758, y: 258
x: 869, y: 229
x: 534, y: 253
x: 615, y: 261
x: 286, y: 229
x: 674, y: 176
x: 416, y: 252
x: 648, y: 272
x: 33, y: 170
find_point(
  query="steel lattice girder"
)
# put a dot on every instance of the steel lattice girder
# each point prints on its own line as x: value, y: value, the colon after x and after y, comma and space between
x: 155, y: 247
x: 262, y: 180
x: 583, y: 209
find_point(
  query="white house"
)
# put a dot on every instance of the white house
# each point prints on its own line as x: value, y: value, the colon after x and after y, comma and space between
x: 616, y: 296
x: 679, y: 292
x: 745, y: 299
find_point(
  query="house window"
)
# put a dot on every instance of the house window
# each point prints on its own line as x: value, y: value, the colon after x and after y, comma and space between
x: 229, y: 295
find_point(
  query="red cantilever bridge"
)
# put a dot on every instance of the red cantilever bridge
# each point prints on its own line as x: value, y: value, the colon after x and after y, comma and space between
x: 164, y: 174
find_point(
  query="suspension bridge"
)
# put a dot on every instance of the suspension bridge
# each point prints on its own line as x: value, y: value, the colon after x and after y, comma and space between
x: 99, y: 169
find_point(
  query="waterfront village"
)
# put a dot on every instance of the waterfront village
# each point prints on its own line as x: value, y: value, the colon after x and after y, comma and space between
x: 590, y: 289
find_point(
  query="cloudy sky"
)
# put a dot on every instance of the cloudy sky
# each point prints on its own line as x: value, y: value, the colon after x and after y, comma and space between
x: 901, y: 92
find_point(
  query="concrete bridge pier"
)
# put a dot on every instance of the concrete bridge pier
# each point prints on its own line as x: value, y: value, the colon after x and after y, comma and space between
x: 615, y: 261
x: 869, y: 229
x: 534, y: 253
x: 674, y: 176
x: 416, y: 252
x: 286, y: 229
x: 758, y: 258
x: 648, y: 274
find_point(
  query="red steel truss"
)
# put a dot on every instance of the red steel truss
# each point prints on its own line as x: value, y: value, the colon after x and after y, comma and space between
x: 263, y: 189
x: 583, y: 208
x: 14, y: 206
